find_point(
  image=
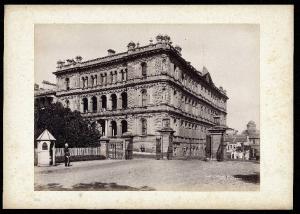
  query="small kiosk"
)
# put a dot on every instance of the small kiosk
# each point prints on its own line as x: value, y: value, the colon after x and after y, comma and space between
x: 46, y: 149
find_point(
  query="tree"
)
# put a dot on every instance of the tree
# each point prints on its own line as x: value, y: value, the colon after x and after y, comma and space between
x: 66, y: 126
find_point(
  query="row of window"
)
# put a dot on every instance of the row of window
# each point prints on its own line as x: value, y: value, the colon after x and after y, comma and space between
x: 124, y: 127
x: 114, y: 102
x: 113, y: 78
x: 190, y: 83
x: 103, y: 78
x: 103, y: 102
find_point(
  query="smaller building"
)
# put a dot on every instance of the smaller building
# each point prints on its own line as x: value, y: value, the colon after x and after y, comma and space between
x: 44, y: 96
x: 253, y: 135
x: 245, y: 146
x: 237, y: 147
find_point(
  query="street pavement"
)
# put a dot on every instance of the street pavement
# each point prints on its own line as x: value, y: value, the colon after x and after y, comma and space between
x: 148, y: 175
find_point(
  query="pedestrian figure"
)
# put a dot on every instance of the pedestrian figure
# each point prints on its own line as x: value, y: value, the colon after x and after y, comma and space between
x: 67, y: 155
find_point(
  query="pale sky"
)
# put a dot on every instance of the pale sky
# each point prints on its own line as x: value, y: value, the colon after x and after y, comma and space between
x: 229, y: 52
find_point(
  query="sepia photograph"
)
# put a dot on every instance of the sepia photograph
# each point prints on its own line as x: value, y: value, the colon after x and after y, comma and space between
x: 149, y: 107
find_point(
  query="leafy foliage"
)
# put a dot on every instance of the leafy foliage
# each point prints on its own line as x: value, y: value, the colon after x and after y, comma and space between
x: 66, y: 126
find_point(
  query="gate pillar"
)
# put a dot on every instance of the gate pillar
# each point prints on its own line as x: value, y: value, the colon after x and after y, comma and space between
x: 128, y: 145
x: 158, y: 148
x: 215, y: 146
x: 104, y: 146
x: 167, y: 142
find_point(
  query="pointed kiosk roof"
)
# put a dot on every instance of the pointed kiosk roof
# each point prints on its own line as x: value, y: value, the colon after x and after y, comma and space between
x: 46, y: 135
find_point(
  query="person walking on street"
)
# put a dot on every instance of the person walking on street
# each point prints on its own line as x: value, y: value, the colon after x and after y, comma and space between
x: 67, y: 155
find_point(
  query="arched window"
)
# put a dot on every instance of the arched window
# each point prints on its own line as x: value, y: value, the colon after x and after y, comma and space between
x: 144, y: 126
x: 124, y: 126
x: 144, y: 97
x: 124, y: 100
x: 67, y: 84
x: 102, y: 124
x: 114, y: 101
x: 113, y: 128
x: 144, y: 69
x: 104, y: 102
x: 44, y: 146
x: 85, y: 105
x: 94, y: 103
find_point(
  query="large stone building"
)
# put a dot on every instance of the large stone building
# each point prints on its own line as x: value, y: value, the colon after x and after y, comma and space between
x: 141, y: 89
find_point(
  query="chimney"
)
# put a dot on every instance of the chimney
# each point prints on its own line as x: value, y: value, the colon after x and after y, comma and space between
x: 131, y: 45
x: 111, y: 52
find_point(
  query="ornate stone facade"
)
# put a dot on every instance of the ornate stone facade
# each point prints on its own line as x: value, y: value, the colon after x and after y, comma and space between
x: 137, y: 90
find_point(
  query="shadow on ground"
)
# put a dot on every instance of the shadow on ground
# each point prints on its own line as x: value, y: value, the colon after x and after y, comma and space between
x: 252, y: 178
x: 95, y: 186
x: 50, y: 186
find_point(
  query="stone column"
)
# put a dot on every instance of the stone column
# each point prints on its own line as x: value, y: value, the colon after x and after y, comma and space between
x: 99, y: 79
x: 119, y: 76
x: 108, y: 102
x: 119, y: 128
x: 110, y: 78
x: 126, y: 74
x: 95, y: 81
x: 109, y: 131
x: 105, y: 79
x: 106, y: 128
x: 119, y: 101
x: 115, y: 76
x: 90, y: 105
x: 100, y: 104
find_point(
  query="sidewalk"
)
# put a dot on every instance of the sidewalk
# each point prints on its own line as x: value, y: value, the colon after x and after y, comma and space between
x: 74, y: 165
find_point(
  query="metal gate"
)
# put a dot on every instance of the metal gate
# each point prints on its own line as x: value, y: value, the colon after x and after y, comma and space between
x: 115, y: 150
x: 188, y: 151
